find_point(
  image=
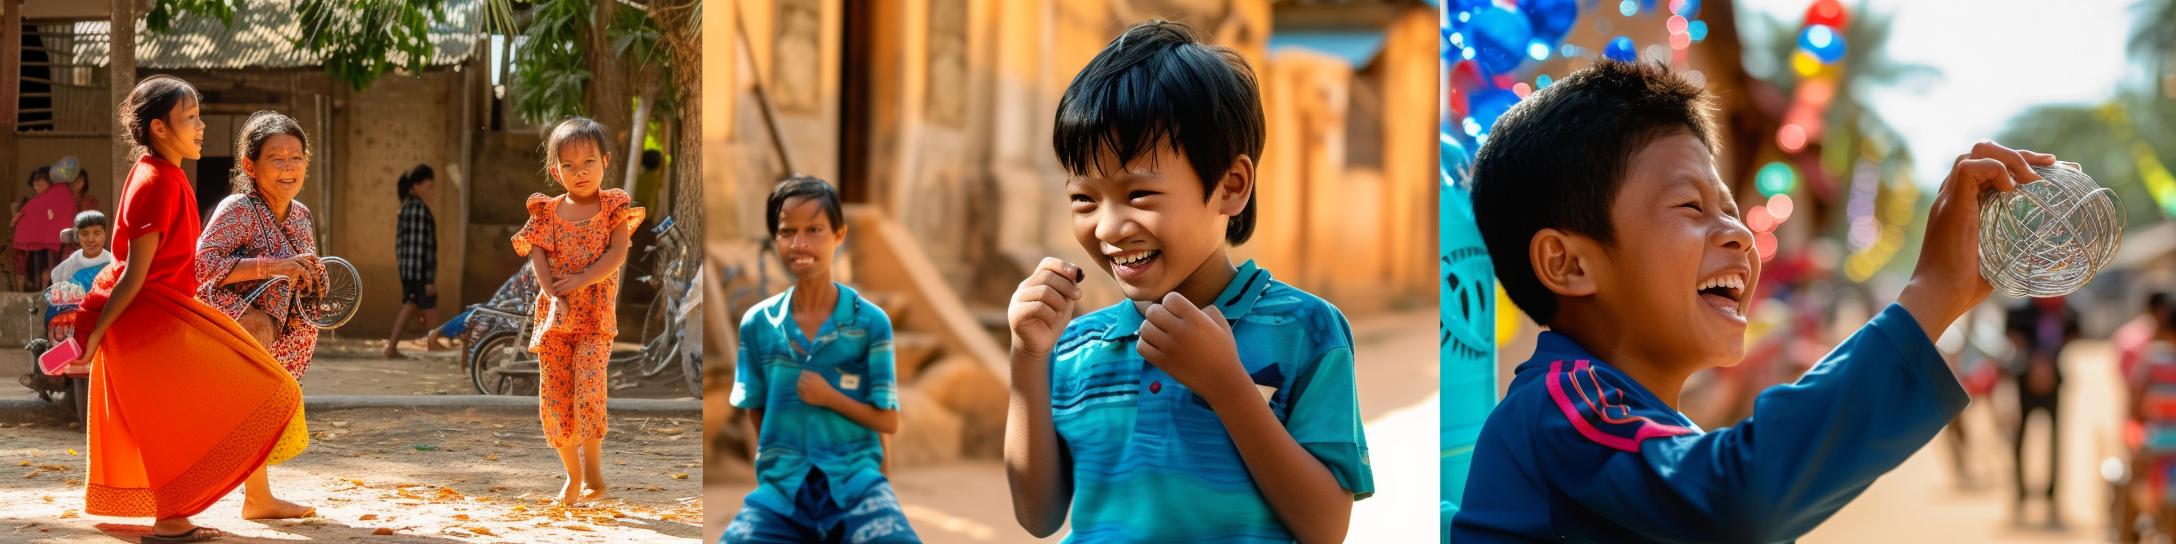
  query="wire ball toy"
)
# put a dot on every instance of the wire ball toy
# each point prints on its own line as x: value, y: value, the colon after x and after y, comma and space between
x: 2048, y: 238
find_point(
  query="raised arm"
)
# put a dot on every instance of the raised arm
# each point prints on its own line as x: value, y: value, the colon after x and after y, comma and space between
x: 1036, y: 462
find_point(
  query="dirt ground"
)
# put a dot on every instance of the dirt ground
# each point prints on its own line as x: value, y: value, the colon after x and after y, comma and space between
x: 424, y: 477
x: 969, y: 501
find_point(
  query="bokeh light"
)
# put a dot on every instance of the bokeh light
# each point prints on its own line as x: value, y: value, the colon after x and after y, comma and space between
x: 1759, y: 220
x: 1766, y: 243
x: 1780, y: 205
x: 1791, y: 137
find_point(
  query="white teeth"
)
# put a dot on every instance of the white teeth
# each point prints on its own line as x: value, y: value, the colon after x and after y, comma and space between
x: 1733, y: 281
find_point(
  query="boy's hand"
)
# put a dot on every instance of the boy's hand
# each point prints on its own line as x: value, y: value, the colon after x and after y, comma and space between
x: 1946, y: 283
x: 1194, y: 346
x: 815, y: 390
x: 1043, y: 306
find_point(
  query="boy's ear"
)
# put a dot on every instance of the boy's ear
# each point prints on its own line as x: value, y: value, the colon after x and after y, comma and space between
x: 1563, y: 262
x: 838, y: 235
x: 1236, y: 187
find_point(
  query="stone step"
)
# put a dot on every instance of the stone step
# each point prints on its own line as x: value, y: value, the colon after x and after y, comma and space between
x: 912, y: 350
x: 973, y: 393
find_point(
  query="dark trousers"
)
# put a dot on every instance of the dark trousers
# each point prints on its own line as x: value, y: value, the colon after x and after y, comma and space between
x: 2027, y: 403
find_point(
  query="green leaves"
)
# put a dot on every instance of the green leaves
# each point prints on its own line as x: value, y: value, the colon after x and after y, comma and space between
x: 163, y: 12
x: 550, y: 61
x: 362, y: 40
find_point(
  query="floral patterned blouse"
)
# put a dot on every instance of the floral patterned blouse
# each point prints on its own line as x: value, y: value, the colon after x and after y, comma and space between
x: 244, y: 227
x: 570, y: 247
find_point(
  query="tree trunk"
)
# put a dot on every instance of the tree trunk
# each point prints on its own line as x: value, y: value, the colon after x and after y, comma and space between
x: 121, y: 78
x: 11, y: 82
x: 607, y: 96
x: 683, y: 34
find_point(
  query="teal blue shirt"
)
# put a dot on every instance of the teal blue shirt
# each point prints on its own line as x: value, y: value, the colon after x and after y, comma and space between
x: 853, y: 351
x: 1152, y: 463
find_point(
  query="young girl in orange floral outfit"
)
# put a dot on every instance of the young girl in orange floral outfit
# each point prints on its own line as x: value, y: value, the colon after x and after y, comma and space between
x: 576, y: 243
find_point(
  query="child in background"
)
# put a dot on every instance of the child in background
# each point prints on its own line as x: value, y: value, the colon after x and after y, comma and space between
x: 576, y: 243
x: 81, y: 186
x: 816, y: 375
x: 1603, y: 213
x: 1215, y: 403
x: 91, y: 257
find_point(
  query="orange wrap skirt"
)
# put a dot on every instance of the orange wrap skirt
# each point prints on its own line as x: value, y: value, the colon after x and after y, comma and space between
x: 184, y: 405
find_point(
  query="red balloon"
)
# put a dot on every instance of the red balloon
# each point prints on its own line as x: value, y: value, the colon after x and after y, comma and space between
x: 1827, y: 12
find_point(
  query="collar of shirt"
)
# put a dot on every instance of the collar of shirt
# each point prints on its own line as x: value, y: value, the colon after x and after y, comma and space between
x: 1237, y: 299
x: 1551, y: 346
x: 843, y: 312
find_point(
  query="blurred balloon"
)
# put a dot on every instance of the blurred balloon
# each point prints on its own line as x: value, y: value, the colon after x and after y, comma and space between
x: 1687, y: 8
x: 1829, y: 13
x: 1485, y: 106
x: 65, y: 170
x: 1550, y: 19
x: 1620, y: 49
x: 1823, y: 42
x: 1500, y: 36
x: 1697, y: 29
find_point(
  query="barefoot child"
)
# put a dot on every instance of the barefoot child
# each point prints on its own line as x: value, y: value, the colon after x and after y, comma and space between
x: 816, y: 378
x: 1215, y: 403
x: 1601, y: 207
x: 576, y: 243
x: 184, y: 405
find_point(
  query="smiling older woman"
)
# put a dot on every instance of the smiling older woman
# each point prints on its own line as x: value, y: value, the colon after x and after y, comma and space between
x: 259, y: 233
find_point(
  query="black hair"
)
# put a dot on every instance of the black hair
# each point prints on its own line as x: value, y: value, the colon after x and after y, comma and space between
x: 1555, y: 161
x: 803, y: 186
x: 1158, y: 84
x: 255, y: 132
x: 413, y: 176
x: 91, y: 218
x: 577, y: 129
x: 153, y: 99
x: 41, y: 173
x: 651, y: 159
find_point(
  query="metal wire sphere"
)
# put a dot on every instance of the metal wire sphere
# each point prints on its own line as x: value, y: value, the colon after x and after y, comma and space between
x: 2048, y: 238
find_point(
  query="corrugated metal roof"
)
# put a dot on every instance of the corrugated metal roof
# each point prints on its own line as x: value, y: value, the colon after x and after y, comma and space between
x: 263, y: 36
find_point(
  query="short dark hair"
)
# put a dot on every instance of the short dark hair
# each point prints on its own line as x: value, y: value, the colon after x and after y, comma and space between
x: 1555, y: 161
x: 41, y: 173
x: 651, y: 159
x: 1158, y: 84
x: 803, y: 186
x: 413, y: 176
x: 153, y: 99
x: 259, y: 128
x: 91, y: 218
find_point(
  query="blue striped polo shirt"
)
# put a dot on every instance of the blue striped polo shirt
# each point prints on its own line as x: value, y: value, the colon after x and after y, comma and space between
x: 1152, y: 463
x: 853, y: 351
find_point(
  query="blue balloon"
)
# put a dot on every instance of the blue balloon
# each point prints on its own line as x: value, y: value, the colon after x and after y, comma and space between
x: 1485, y: 105
x: 1499, y: 39
x: 1689, y: 8
x: 1620, y: 49
x: 1823, y: 42
x: 1551, y: 18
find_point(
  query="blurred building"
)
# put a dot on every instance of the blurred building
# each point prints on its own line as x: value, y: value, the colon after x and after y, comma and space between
x: 452, y: 116
x: 933, y: 117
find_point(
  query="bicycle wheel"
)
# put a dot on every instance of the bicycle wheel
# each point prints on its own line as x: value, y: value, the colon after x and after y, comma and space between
x: 79, y: 389
x: 659, y: 343
x: 495, y: 363
x: 343, y: 290
x: 691, y: 360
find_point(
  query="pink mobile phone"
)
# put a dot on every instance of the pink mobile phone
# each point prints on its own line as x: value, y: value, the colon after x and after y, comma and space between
x: 55, y: 361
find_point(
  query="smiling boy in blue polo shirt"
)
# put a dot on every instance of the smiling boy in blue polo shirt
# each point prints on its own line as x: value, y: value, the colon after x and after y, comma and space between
x: 816, y: 377
x: 1215, y: 404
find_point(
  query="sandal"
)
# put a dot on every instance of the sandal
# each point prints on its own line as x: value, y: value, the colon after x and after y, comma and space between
x: 199, y: 534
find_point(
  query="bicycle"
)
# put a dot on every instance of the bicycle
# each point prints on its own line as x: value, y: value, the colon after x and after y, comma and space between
x: 666, y: 336
x: 500, y: 363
